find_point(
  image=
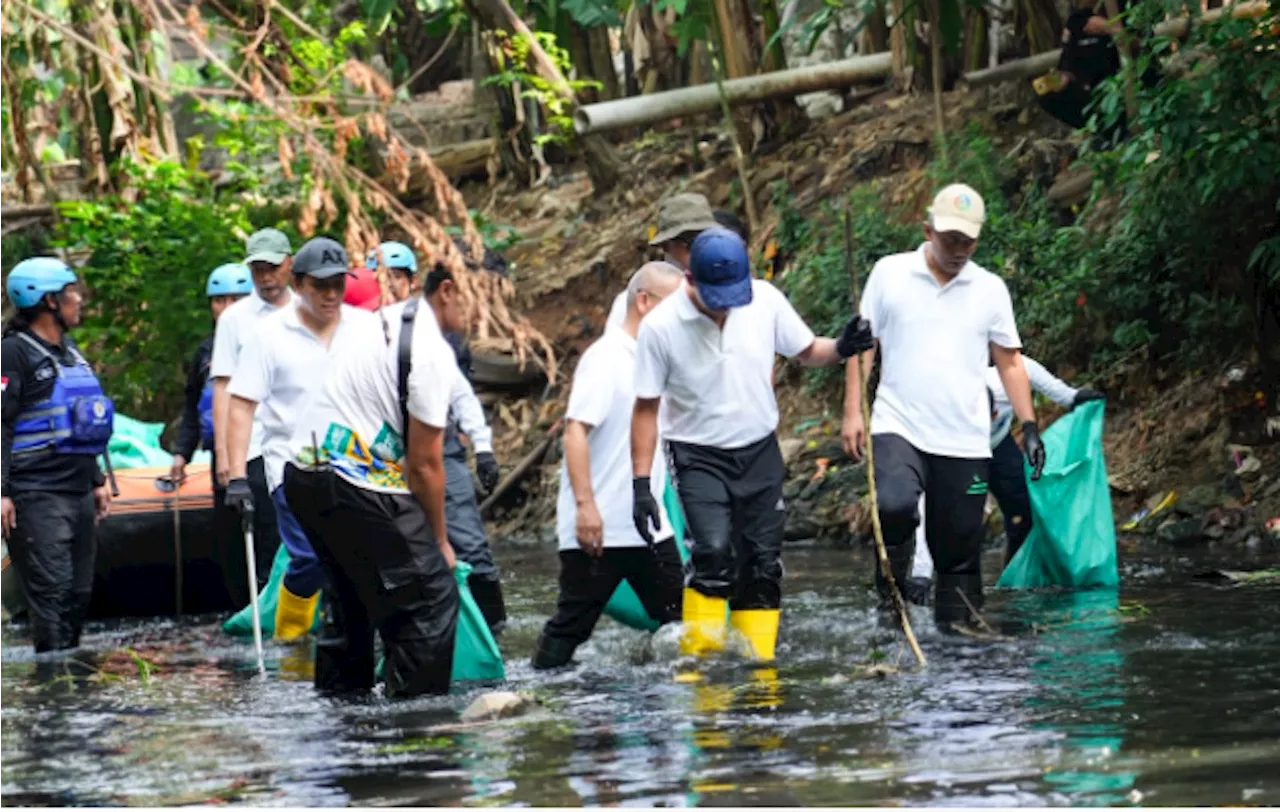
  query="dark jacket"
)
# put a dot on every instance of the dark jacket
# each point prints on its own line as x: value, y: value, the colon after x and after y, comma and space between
x: 28, y: 379
x: 197, y: 375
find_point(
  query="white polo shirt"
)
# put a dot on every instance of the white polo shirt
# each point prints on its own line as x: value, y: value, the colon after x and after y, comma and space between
x: 237, y: 324
x: 617, y: 310
x: 355, y: 413
x: 603, y: 396
x: 717, y: 384
x: 934, y: 345
x: 281, y: 367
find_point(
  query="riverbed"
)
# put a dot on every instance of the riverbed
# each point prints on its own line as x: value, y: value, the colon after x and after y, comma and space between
x: 1164, y: 692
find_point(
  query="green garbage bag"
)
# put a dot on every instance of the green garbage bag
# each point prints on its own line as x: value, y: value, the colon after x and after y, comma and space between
x: 1073, y: 539
x: 136, y: 444
x: 241, y: 623
x: 625, y: 606
x: 475, y: 653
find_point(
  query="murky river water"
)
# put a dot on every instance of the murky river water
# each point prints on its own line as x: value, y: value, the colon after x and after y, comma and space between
x: 1167, y: 692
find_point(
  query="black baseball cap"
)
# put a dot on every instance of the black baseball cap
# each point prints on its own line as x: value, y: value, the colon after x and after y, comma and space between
x: 321, y: 258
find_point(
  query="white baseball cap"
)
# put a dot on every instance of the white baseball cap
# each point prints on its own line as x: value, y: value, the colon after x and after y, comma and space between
x: 958, y: 208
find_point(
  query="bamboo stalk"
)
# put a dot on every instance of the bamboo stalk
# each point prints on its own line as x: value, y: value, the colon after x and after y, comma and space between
x: 740, y: 158
x: 882, y: 553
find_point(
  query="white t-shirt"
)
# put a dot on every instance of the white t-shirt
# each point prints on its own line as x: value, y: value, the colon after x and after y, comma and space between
x: 617, y: 311
x: 237, y: 323
x: 603, y: 397
x: 934, y: 346
x: 717, y: 384
x: 281, y: 367
x: 355, y: 414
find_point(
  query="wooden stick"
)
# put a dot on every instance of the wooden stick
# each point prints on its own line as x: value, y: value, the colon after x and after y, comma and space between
x: 522, y: 469
x: 877, y: 533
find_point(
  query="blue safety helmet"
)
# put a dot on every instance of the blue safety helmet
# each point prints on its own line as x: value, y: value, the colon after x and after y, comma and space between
x: 232, y: 279
x: 395, y: 255
x: 31, y: 279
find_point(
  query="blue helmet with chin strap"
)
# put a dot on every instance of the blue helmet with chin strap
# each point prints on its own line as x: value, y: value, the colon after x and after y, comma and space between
x: 31, y: 279
x: 232, y: 279
x: 396, y: 255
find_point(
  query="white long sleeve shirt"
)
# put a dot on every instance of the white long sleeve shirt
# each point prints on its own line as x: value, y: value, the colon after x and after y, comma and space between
x: 1042, y: 381
x: 466, y: 411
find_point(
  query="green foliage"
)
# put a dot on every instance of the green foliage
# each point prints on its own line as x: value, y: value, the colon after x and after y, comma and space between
x: 496, y: 236
x: 593, y: 13
x: 515, y: 70
x: 147, y: 265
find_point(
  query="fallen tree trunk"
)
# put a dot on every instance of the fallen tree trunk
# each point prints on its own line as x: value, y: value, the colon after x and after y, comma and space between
x: 1037, y: 65
x: 636, y: 111
x: 523, y: 468
x: 454, y: 160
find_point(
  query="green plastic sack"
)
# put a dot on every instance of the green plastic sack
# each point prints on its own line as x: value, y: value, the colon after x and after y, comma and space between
x: 1073, y: 539
x: 135, y: 444
x: 475, y: 652
x: 625, y: 606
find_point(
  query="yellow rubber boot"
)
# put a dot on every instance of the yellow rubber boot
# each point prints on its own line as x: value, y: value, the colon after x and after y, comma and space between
x: 760, y: 627
x: 704, y: 623
x: 294, y: 615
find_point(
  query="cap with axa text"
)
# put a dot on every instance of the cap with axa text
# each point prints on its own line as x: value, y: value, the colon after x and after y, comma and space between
x: 321, y: 258
x: 267, y: 245
x: 721, y: 269
x: 958, y: 208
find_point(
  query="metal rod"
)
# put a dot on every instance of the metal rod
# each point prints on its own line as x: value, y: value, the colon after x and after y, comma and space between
x: 246, y: 521
x: 175, y: 505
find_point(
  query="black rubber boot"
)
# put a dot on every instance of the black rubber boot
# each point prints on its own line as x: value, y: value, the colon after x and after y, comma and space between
x: 552, y: 652
x: 340, y: 667
x: 488, y: 596
x: 950, y: 609
x: 900, y: 566
x: 918, y: 590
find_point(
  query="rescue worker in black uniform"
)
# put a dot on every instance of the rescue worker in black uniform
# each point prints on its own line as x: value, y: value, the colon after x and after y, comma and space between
x: 56, y: 421
x: 227, y: 285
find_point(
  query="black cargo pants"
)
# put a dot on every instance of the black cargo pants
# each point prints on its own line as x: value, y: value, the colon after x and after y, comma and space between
x: 386, y: 574
x: 732, y: 500
x: 53, y: 546
x: 955, y: 493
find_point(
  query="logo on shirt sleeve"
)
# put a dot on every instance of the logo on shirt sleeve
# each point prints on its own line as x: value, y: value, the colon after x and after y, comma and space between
x: 4, y: 382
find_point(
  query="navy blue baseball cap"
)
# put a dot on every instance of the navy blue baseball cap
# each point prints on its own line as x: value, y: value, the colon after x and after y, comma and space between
x: 721, y: 269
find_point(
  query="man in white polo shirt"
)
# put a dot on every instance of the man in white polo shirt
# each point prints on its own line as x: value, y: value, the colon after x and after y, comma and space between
x: 708, y: 352
x: 937, y: 317
x: 371, y: 496
x: 599, y: 544
x: 270, y: 262
x: 278, y: 371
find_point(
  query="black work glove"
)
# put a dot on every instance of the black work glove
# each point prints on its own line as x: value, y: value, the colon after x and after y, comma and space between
x: 239, y: 496
x: 644, y: 509
x: 487, y: 470
x: 855, y: 337
x: 1085, y: 394
x: 1033, y: 447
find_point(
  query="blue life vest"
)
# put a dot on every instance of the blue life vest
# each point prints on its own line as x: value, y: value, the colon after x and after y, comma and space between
x: 206, y: 414
x: 76, y: 418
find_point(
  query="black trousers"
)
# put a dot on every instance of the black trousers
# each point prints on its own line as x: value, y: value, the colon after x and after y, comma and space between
x: 955, y: 492
x: 586, y: 584
x: 732, y: 500
x: 53, y: 546
x: 1009, y: 487
x: 266, y: 533
x: 386, y: 574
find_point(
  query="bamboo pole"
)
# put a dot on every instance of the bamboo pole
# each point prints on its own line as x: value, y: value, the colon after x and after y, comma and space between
x: 882, y: 553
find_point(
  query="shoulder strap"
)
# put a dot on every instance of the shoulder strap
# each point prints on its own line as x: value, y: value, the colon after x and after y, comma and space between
x: 404, y: 348
x: 43, y: 350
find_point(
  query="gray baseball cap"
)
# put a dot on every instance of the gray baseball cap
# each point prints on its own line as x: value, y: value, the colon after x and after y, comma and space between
x: 681, y: 213
x: 322, y: 258
x: 267, y: 245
